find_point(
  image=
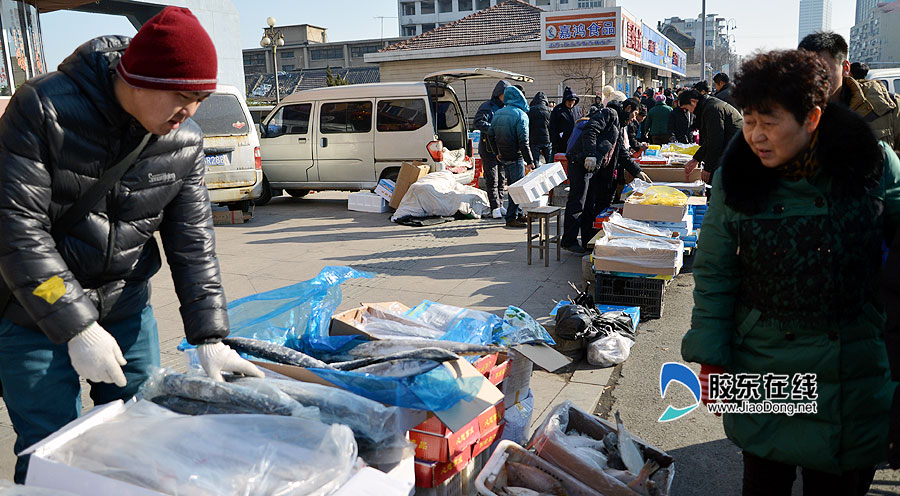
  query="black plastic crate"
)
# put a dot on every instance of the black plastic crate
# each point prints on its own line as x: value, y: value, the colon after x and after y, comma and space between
x: 631, y: 292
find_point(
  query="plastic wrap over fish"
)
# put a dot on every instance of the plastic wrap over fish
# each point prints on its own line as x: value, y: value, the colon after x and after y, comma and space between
x: 209, y: 455
x: 520, y: 328
x: 8, y: 488
x: 297, y: 316
x: 459, y: 324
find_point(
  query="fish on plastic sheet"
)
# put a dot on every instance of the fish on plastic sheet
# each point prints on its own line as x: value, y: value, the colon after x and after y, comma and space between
x: 273, y: 352
x: 404, y: 367
x: 434, y: 354
x: 195, y: 407
x: 261, y: 398
x: 389, y: 346
x: 533, y: 478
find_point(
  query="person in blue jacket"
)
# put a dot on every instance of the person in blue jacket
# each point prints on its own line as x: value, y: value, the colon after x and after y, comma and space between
x: 493, y: 173
x: 509, y: 134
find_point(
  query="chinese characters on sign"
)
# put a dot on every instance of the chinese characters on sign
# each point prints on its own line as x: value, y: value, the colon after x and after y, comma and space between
x: 763, y: 393
x: 588, y: 34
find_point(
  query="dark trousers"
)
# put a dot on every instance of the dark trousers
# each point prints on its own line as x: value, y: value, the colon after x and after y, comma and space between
x: 494, y: 177
x: 584, y: 201
x: 542, y: 150
x: 659, y: 139
x: 515, y: 170
x: 767, y: 478
x: 41, y: 389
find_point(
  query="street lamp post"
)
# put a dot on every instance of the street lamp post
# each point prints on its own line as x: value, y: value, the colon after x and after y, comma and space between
x: 703, y: 45
x: 273, y: 38
x: 730, y: 26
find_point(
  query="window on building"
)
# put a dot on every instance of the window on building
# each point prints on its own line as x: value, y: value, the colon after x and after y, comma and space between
x: 336, y: 52
x: 400, y: 115
x: 445, y: 6
x: 346, y: 117
x: 427, y: 27
x: 255, y: 59
x: 542, y: 2
x: 290, y: 119
x: 409, y: 9
x: 563, y: 1
x: 409, y: 30
x: 359, y: 51
x: 287, y: 67
x: 482, y: 4
x: 588, y: 4
x: 427, y: 7
x: 287, y: 54
x: 463, y: 5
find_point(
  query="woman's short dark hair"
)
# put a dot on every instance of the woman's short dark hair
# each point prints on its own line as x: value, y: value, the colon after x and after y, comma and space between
x: 795, y: 79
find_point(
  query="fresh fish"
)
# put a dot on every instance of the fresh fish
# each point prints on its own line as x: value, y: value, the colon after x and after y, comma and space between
x: 404, y: 367
x: 262, y: 400
x: 389, y: 346
x: 642, y: 483
x: 595, y: 457
x: 584, y: 441
x: 520, y: 491
x: 435, y: 354
x: 628, y: 449
x: 534, y: 478
x: 193, y: 407
x: 274, y: 352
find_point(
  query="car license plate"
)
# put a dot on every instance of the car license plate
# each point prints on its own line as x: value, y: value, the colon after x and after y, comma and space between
x: 214, y: 160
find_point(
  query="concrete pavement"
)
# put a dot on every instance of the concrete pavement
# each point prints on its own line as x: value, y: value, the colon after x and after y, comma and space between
x: 477, y: 264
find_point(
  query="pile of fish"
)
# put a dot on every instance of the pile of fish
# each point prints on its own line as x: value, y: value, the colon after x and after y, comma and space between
x: 394, y: 357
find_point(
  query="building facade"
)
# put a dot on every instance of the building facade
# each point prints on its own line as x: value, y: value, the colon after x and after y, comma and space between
x: 815, y: 15
x: 307, y: 53
x: 875, y: 39
x: 419, y: 16
x: 716, y: 33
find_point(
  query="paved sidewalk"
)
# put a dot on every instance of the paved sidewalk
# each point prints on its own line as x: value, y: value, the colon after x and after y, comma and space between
x: 478, y: 264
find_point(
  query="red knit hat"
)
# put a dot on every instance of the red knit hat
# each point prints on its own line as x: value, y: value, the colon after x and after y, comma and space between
x: 171, y: 52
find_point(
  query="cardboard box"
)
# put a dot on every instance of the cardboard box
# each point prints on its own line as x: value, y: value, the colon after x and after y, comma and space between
x: 671, y: 174
x: 662, y: 213
x: 518, y: 381
x: 487, y: 440
x: 363, y: 201
x: 348, y: 323
x: 431, y: 473
x: 661, y: 256
x: 227, y: 217
x: 436, y: 442
x: 486, y: 363
x: 43, y: 472
x: 385, y: 189
x: 409, y: 173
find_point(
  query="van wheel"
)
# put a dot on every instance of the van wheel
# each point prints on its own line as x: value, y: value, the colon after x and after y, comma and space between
x: 266, y: 195
x: 391, y: 174
x: 297, y: 193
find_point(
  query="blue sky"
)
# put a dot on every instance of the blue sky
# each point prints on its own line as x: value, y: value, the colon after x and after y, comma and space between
x: 768, y: 24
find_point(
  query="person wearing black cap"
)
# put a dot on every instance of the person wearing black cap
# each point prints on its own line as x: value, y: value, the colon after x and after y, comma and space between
x: 563, y: 119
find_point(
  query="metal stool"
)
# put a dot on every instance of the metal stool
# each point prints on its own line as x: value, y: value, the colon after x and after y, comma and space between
x: 543, y: 215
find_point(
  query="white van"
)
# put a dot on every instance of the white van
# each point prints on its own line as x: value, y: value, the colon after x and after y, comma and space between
x: 890, y: 78
x: 233, y: 162
x: 350, y: 137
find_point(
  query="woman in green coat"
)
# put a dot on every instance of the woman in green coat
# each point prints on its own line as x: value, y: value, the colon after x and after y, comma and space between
x: 787, y: 280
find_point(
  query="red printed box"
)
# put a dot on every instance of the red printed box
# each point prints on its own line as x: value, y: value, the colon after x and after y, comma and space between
x: 500, y: 371
x: 488, y: 439
x: 484, y: 364
x: 490, y: 418
x: 431, y: 473
x: 435, y: 442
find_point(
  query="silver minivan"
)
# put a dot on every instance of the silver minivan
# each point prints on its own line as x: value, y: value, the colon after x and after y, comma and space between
x: 350, y: 137
x: 231, y: 145
x: 890, y: 78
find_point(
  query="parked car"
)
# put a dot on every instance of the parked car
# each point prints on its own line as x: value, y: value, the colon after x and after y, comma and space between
x: 890, y: 78
x: 259, y: 112
x: 350, y: 137
x: 230, y: 141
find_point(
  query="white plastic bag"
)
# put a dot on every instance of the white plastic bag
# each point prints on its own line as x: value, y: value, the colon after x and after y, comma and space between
x: 609, y: 350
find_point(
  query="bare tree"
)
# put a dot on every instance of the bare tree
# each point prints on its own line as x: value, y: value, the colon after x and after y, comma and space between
x: 585, y: 76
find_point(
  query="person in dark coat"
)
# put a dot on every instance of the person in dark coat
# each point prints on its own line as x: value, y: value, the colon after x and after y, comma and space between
x: 681, y: 123
x: 81, y: 303
x: 723, y: 88
x: 509, y: 133
x: 719, y: 122
x: 787, y: 275
x: 494, y: 175
x: 539, y: 128
x: 562, y: 120
x: 595, y: 158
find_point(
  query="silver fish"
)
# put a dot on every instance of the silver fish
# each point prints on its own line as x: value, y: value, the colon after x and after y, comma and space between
x: 274, y: 352
x: 389, y: 346
x: 521, y: 475
x: 628, y: 449
x: 404, y: 367
x: 432, y: 353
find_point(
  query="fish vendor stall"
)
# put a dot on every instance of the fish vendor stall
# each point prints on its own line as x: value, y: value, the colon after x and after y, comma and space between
x: 380, y: 399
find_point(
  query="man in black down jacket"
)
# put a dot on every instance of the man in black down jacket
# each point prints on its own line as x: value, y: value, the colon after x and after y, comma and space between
x: 563, y: 119
x: 680, y: 123
x: 723, y: 88
x: 494, y: 175
x: 82, y: 305
x: 719, y: 122
x: 538, y: 128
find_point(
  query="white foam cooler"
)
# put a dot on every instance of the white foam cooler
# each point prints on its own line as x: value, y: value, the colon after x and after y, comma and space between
x: 537, y: 184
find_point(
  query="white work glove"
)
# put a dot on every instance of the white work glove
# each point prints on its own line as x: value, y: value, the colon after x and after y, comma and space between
x: 218, y: 357
x: 644, y: 177
x: 590, y: 164
x: 96, y: 356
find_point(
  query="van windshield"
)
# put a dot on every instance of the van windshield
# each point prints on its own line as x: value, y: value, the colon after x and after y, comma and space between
x: 222, y: 115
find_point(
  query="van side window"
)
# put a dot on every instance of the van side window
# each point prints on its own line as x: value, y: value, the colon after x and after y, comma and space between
x: 447, y: 115
x: 897, y: 86
x: 400, y: 115
x: 346, y: 117
x: 290, y: 119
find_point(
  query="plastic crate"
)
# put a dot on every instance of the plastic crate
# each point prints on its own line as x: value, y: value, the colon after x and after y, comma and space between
x: 631, y: 292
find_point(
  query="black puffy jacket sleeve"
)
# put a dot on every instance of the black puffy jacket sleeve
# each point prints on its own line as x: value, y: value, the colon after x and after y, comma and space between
x: 30, y: 264
x: 189, y: 242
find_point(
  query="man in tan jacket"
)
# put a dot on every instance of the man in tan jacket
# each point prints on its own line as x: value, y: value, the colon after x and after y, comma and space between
x: 868, y: 98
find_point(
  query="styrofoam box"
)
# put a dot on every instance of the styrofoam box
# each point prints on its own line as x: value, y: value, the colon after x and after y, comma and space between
x: 541, y: 202
x: 537, y: 184
x: 363, y: 201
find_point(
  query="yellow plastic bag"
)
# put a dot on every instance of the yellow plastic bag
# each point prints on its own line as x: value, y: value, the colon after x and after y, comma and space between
x: 660, y: 195
x: 681, y: 148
